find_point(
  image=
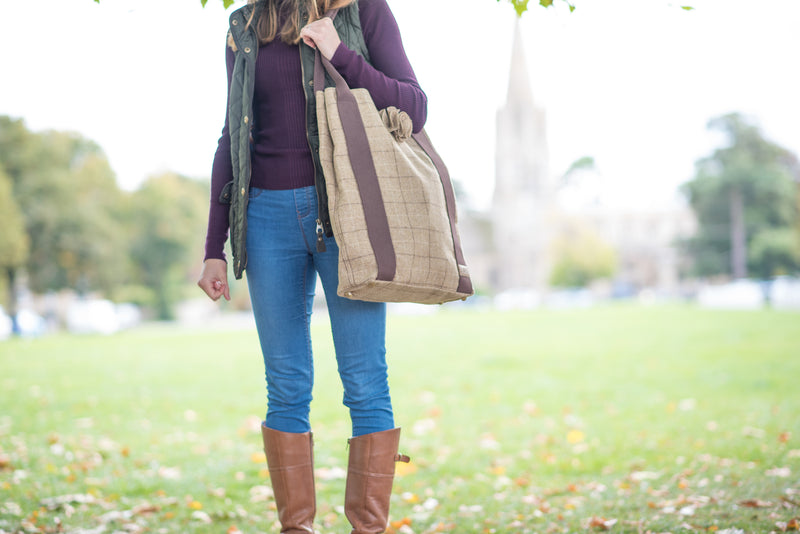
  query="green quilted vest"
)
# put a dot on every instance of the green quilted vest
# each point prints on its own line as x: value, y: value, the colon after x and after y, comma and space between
x: 240, y: 112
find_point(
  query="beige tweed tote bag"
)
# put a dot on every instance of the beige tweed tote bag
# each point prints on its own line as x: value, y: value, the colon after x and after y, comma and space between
x: 390, y: 198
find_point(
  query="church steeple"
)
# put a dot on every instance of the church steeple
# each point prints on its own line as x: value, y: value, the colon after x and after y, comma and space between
x: 519, y: 85
x: 522, y: 187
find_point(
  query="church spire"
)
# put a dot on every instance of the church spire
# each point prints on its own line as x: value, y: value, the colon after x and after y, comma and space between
x: 519, y: 86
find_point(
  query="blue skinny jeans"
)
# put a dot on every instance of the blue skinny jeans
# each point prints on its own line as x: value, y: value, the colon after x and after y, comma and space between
x: 282, y: 268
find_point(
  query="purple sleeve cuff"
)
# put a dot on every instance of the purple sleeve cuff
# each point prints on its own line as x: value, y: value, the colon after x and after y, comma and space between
x: 336, y: 59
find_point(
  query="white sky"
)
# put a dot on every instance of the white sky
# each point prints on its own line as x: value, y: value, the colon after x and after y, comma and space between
x: 630, y: 82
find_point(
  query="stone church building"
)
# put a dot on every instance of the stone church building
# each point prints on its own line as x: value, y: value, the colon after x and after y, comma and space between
x: 510, y: 246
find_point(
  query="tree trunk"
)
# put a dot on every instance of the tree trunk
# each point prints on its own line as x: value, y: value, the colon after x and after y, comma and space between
x: 738, y: 234
x: 11, y: 281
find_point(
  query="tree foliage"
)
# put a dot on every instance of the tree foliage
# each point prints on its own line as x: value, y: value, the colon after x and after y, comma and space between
x: 169, y: 213
x: 13, y: 238
x: 66, y: 191
x: 67, y: 225
x: 581, y: 256
x: 745, y: 198
x: 14, y: 242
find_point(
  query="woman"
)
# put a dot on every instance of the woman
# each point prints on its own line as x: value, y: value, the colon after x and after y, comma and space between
x: 267, y: 167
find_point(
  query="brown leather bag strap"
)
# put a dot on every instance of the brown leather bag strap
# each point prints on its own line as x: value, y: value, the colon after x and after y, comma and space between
x: 464, y: 281
x: 363, y: 166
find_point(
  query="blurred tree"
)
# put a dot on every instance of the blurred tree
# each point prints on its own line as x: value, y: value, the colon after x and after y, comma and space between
x: 69, y: 200
x: 169, y: 215
x: 14, y: 243
x: 743, y: 196
x: 66, y: 223
x: 774, y: 252
x: 581, y: 256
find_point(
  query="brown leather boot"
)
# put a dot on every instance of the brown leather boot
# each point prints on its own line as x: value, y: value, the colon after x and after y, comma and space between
x: 370, y: 473
x: 290, y: 458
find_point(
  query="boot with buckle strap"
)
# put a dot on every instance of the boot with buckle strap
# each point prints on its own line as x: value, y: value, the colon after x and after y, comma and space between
x: 370, y: 475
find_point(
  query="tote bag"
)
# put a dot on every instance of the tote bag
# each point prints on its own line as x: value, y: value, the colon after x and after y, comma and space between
x: 390, y: 198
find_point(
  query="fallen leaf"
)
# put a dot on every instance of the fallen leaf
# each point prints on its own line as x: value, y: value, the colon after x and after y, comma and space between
x: 601, y: 523
x: 260, y: 494
x: 488, y: 442
x: 5, y: 462
x: 195, y: 505
x: 755, y: 503
x: 780, y: 472
x: 54, y: 503
x: 169, y: 473
x: 498, y: 470
x: 788, y: 503
x: 575, y: 436
x: 201, y: 516
x: 146, y: 508
x: 400, y: 523
x: 331, y: 473
x: 403, y: 468
x: 409, y: 497
x: 639, y: 476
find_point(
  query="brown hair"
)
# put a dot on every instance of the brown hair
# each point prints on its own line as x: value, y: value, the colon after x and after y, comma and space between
x: 274, y: 10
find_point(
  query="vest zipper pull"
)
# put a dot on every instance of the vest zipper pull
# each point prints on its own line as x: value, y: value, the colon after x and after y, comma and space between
x: 320, y: 237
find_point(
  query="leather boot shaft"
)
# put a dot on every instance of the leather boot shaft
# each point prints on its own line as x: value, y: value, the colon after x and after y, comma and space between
x: 290, y: 458
x: 370, y: 475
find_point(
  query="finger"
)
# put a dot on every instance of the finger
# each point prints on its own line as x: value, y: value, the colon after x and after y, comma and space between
x: 310, y: 42
x: 227, y: 292
x: 213, y: 295
x: 209, y: 290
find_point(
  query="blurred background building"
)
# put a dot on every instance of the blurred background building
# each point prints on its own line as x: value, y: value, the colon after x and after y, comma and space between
x: 536, y: 217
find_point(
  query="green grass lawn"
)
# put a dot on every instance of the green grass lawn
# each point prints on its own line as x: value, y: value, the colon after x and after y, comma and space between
x: 627, y: 418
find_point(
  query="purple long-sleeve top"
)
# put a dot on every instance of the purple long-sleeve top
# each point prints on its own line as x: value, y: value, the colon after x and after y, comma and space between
x: 281, y: 156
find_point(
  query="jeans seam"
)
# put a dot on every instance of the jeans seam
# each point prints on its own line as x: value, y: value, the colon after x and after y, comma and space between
x: 300, y: 221
x: 307, y: 333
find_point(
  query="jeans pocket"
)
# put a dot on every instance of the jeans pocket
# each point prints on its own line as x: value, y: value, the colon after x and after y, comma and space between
x: 254, y: 192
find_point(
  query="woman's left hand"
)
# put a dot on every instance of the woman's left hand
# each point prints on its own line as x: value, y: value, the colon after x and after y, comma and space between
x: 321, y: 34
